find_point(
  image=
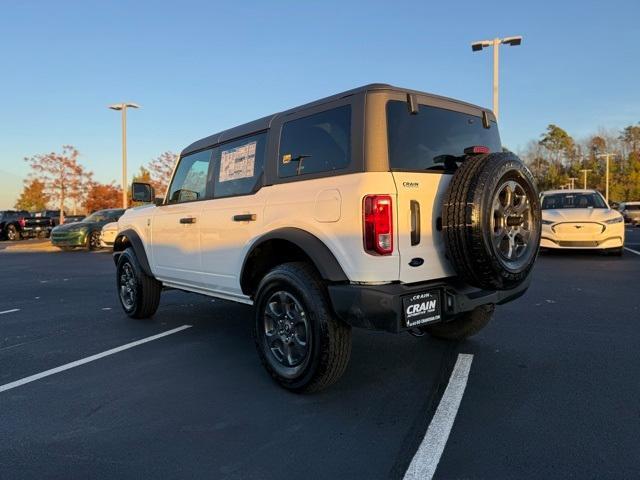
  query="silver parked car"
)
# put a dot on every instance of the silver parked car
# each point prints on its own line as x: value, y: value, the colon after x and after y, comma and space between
x: 631, y: 212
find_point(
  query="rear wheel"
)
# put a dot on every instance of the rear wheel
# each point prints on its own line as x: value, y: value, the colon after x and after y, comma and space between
x: 139, y: 294
x: 12, y: 233
x: 303, y: 346
x: 463, y: 326
x: 93, y: 240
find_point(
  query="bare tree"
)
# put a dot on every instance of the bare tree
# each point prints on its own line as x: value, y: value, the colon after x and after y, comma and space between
x: 160, y: 169
x: 59, y: 172
x: 78, y: 188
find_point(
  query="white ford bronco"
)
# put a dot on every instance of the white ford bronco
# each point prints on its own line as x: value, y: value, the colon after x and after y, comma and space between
x: 380, y: 207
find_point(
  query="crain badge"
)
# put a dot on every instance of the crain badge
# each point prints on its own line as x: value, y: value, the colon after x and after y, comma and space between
x: 410, y: 184
x: 421, y: 308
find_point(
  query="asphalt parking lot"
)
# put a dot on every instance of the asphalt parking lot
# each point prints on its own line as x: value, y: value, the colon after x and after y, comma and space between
x: 552, y: 390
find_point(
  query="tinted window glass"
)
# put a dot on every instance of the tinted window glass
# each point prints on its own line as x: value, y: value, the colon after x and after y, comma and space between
x: 115, y: 215
x: 434, y: 138
x: 239, y: 165
x: 190, y: 180
x: 317, y: 143
x: 573, y: 200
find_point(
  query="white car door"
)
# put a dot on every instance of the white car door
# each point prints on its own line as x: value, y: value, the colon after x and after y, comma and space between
x: 235, y: 216
x: 175, y: 226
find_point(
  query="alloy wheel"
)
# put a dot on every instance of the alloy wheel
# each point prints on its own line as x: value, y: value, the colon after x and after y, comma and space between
x: 127, y: 286
x: 512, y: 221
x: 286, y: 329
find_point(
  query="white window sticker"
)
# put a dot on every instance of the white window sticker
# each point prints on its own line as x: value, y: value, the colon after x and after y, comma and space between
x: 238, y: 162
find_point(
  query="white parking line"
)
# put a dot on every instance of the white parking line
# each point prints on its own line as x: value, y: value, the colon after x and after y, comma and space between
x: 10, y: 311
x: 426, y: 459
x: 632, y: 250
x: 92, y: 358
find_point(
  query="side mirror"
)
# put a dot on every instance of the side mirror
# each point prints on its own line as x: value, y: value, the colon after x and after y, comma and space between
x: 142, y: 192
x: 159, y: 201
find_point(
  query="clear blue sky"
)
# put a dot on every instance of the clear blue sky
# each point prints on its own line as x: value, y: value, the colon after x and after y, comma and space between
x: 199, y: 67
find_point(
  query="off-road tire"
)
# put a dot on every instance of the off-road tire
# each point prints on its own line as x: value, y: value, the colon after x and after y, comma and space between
x: 463, y: 326
x: 12, y: 233
x: 147, y: 289
x: 470, y: 224
x: 329, y: 337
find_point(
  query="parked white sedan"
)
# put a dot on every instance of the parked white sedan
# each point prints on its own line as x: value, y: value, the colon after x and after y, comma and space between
x: 580, y: 219
x: 108, y: 235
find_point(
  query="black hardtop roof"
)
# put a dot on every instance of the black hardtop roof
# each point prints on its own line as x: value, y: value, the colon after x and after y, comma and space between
x: 265, y: 122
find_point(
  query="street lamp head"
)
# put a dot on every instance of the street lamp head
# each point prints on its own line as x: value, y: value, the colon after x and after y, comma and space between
x: 512, y: 41
x: 120, y: 106
x: 477, y: 46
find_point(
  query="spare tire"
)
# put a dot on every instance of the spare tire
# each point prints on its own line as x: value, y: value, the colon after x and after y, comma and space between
x: 491, y: 221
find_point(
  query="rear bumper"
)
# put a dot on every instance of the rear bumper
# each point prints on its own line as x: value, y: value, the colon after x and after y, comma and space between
x: 380, y: 307
x: 34, y: 231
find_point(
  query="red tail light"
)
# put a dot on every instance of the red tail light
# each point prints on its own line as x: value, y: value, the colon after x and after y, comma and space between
x: 378, y: 224
x: 476, y: 149
x: 21, y: 222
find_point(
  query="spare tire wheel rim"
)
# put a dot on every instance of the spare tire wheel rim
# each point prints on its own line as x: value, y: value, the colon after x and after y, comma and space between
x: 512, y: 225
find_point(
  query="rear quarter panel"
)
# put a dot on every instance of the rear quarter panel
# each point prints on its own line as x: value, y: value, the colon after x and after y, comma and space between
x: 331, y: 209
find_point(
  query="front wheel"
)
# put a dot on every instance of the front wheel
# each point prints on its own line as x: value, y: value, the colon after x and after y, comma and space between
x: 139, y: 294
x: 301, y: 343
x: 464, y: 326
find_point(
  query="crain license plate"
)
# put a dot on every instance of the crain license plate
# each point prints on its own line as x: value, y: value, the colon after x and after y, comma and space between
x: 421, y: 308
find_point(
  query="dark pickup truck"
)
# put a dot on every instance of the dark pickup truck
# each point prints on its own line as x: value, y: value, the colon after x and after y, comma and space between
x: 11, y: 222
x: 36, y: 225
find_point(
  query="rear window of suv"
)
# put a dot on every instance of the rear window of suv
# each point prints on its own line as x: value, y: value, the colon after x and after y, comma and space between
x: 431, y: 139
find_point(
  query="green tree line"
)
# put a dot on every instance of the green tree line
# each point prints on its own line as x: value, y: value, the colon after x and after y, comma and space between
x: 557, y: 157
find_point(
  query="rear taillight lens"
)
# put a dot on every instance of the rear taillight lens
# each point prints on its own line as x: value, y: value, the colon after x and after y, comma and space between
x: 378, y: 224
x: 476, y: 149
x: 21, y: 222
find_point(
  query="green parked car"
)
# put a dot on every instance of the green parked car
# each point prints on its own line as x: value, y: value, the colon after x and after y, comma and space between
x: 86, y: 233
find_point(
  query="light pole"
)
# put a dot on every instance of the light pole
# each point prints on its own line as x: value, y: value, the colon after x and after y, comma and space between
x: 607, y: 156
x: 585, y: 171
x: 123, y: 108
x: 573, y: 182
x: 495, y: 43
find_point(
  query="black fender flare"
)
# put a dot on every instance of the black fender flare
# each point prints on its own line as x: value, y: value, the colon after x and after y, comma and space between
x: 322, y: 258
x: 131, y: 238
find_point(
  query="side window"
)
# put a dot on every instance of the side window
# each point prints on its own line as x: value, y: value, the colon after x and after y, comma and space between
x: 239, y: 165
x: 190, y: 181
x: 317, y: 143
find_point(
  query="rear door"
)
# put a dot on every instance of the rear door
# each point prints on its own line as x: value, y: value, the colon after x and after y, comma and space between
x: 236, y: 214
x: 424, y: 149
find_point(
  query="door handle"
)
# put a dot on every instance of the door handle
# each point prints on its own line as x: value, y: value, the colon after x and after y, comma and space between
x: 245, y: 217
x: 187, y: 220
x: 415, y: 222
